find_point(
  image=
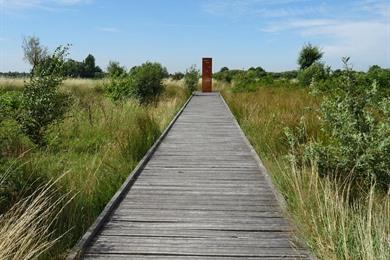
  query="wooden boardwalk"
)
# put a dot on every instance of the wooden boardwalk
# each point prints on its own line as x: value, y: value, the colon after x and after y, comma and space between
x: 202, y: 194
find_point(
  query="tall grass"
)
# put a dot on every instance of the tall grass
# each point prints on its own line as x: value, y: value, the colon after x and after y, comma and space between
x: 11, y: 83
x: 265, y: 113
x: 98, y: 144
x: 332, y: 226
x: 18, y: 83
x: 26, y: 228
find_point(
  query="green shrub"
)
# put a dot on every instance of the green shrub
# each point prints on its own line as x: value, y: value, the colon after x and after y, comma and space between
x: 293, y: 74
x: 10, y: 102
x: 226, y: 75
x: 115, y: 69
x: 245, y: 82
x: 356, y: 128
x: 191, y: 79
x: 143, y: 83
x: 381, y: 76
x: 314, y: 73
x: 42, y: 103
x: 119, y: 86
x: 259, y: 71
x: 146, y: 81
x: 267, y: 79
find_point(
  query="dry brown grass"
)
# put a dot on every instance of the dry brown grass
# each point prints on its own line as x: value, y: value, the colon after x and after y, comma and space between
x: 265, y: 113
x: 332, y: 226
x: 11, y: 83
x: 25, y: 229
x: 68, y: 84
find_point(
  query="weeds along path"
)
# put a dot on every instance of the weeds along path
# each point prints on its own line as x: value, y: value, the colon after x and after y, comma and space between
x: 201, y: 193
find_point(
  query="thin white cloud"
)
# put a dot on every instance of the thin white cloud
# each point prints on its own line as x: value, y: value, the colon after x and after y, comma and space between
x: 108, y: 29
x: 360, y: 29
x: 297, y: 24
x: 355, y: 39
x: 73, y: 2
x: 243, y: 7
x: 282, y: 12
x: 19, y: 4
x: 14, y: 5
x: 366, y: 41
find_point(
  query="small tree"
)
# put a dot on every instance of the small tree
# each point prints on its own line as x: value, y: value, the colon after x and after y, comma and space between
x: 42, y: 103
x: 147, y: 81
x: 356, y: 132
x: 89, y: 66
x: 115, y: 69
x: 308, y: 55
x: 191, y: 78
x: 34, y: 52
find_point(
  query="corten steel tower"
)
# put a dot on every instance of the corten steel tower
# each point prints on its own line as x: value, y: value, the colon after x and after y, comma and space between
x: 207, y: 74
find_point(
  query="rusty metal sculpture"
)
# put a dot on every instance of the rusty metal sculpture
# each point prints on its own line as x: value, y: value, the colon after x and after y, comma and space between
x: 207, y: 74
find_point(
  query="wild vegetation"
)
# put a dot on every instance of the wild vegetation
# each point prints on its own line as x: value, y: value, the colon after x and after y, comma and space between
x: 66, y: 147
x: 326, y: 145
x: 143, y: 82
x: 191, y: 79
x: 96, y: 146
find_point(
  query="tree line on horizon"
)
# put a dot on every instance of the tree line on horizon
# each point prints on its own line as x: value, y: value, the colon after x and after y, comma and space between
x: 35, y: 53
x: 309, y: 66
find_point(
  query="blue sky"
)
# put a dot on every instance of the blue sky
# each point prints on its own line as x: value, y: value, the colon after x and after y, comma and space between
x: 177, y: 33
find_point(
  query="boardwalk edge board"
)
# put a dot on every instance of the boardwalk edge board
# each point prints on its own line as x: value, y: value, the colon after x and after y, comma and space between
x: 279, y: 197
x: 77, y: 251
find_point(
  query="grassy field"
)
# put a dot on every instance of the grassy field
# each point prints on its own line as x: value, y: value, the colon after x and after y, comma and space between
x: 323, y: 215
x: 87, y: 158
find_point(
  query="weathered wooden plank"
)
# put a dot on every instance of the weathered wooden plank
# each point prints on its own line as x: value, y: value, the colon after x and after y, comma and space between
x: 178, y: 257
x: 200, y: 196
x: 198, y: 250
x: 190, y: 242
x: 158, y: 207
x: 205, y: 202
x: 195, y: 233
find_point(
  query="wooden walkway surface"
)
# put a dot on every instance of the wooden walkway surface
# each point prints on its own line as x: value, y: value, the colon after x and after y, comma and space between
x: 201, y: 195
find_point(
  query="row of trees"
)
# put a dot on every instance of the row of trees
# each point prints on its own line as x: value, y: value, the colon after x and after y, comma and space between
x: 83, y: 69
x: 35, y: 53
